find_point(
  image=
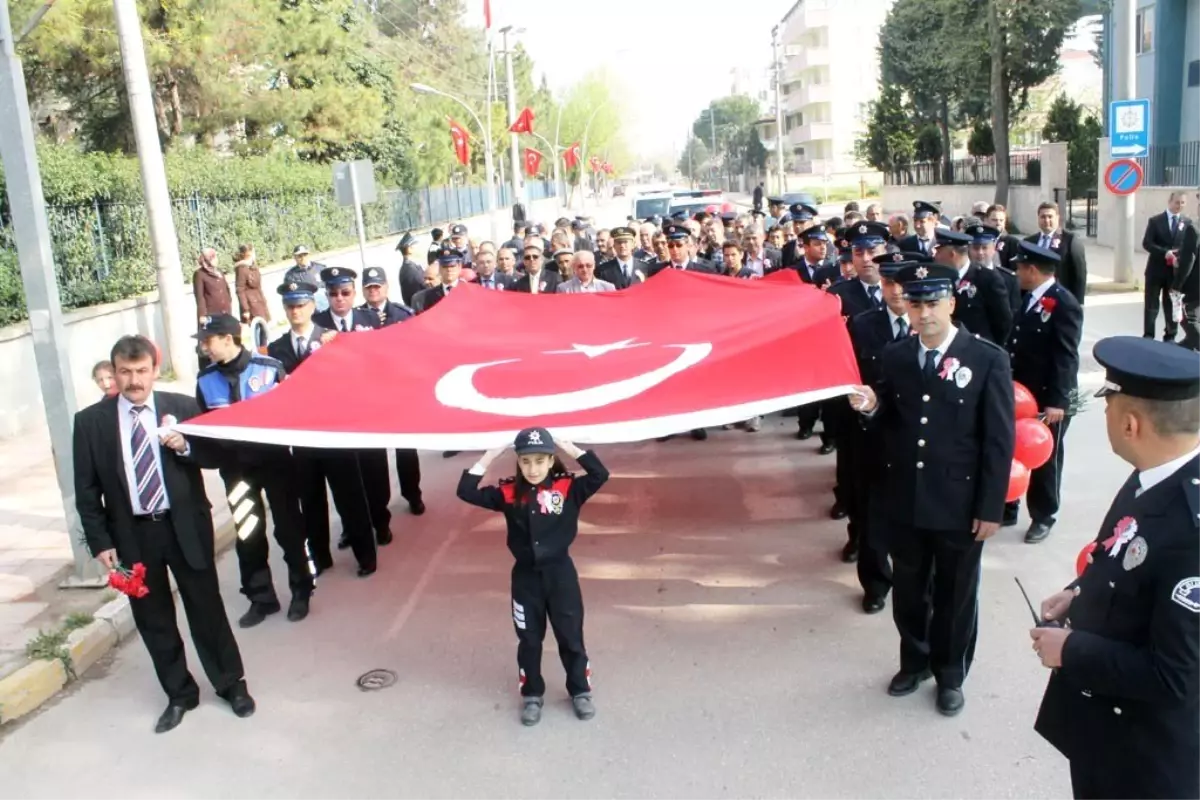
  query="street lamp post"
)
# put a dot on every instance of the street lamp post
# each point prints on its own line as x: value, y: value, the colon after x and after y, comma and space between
x: 553, y: 148
x: 583, y: 151
x: 493, y: 219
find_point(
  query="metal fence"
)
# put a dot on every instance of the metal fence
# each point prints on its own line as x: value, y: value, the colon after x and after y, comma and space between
x: 1022, y: 168
x: 102, y: 249
x: 1172, y: 165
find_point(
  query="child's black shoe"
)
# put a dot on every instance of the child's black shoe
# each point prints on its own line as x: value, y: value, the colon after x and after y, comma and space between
x: 531, y: 714
x: 584, y: 708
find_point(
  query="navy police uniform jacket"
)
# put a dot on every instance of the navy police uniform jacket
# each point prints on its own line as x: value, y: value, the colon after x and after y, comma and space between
x: 388, y: 314
x: 1124, y: 703
x: 542, y: 520
x: 362, y: 320
x: 283, y: 351
x: 1044, y: 347
x: 947, y: 443
x: 981, y: 304
x: 854, y: 297
x: 611, y: 271
x: 870, y: 333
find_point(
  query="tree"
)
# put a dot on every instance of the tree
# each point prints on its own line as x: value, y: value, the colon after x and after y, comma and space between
x: 695, y: 156
x: 888, y: 143
x: 1067, y: 122
x: 981, y: 144
x: 728, y: 124
x: 928, y: 146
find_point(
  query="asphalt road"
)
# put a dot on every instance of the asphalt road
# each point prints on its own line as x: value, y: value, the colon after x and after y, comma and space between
x: 729, y: 653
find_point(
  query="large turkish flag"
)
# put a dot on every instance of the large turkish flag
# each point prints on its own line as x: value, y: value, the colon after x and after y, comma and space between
x: 683, y: 350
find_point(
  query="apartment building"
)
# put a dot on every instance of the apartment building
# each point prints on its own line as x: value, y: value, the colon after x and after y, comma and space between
x: 830, y: 72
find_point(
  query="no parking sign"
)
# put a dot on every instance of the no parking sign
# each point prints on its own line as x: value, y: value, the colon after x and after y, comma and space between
x: 1123, y: 176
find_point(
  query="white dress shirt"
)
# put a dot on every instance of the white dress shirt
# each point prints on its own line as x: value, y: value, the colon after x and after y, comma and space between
x: 892, y: 321
x: 300, y: 342
x: 874, y: 290
x: 941, y: 349
x: 1149, y: 478
x: 534, y: 282
x: 149, y: 419
x: 756, y: 263
x: 337, y: 321
x: 1038, y: 293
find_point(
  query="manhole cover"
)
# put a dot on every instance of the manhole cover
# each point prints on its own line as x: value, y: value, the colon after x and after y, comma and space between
x: 375, y: 680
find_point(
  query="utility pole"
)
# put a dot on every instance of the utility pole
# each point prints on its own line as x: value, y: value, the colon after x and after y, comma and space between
x: 1124, y: 54
x: 712, y: 122
x: 778, y: 69
x: 512, y: 118
x: 27, y: 202
x: 178, y: 321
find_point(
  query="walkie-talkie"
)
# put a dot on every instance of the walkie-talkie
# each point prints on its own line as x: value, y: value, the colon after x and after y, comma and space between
x: 1037, y: 620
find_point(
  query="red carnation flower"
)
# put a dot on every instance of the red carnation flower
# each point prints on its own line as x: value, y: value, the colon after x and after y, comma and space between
x: 1048, y: 303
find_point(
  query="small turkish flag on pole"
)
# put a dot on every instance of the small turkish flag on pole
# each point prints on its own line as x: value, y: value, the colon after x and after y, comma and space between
x: 594, y: 163
x: 487, y: 15
x: 524, y: 122
x: 533, y: 161
x: 462, y: 147
x: 571, y: 156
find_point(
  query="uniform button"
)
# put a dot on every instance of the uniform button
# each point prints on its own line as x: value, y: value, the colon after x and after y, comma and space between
x: 1195, y: 481
x: 1085, y: 693
x: 1116, y: 710
x: 920, y: 442
x: 1112, y: 585
x: 920, y: 465
x: 1078, y: 590
x: 924, y: 420
x: 925, y: 398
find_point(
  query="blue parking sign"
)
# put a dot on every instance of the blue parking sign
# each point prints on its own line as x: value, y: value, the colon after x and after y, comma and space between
x: 1128, y: 128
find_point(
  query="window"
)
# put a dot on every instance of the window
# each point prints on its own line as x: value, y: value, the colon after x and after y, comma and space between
x: 1193, y: 74
x: 1144, y: 30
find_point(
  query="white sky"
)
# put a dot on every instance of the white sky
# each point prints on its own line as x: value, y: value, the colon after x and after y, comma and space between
x: 657, y: 52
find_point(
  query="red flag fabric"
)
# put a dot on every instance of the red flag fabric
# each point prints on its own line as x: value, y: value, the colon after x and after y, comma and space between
x: 607, y: 168
x: 524, y: 122
x: 487, y: 15
x: 533, y: 161
x: 594, y: 163
x: 462, y: 139
x: 605, y: 367
x: 571, y: 156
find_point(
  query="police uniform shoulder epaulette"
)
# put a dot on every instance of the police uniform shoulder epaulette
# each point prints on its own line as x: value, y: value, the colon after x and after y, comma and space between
x: 1191, y: 490
x: 989, y: 343
x: 266, y: 361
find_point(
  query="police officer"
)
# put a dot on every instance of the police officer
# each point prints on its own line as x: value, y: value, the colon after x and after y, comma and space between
x: 803, y: 217
x: 942, y: 412
x: 342, y: 316
x: 980, y: 298
x: 318, y: 465
x: 984, y: 239
x: 412, y: 276
x: 450, y: 263
x: 248, y: 470
x: 408, y: 465
x: 925, y: 220
x: 1122, y: 702
x: 625, y: 268
x: 1044, y: 347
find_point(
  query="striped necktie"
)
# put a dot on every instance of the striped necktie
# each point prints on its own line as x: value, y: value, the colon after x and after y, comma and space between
x: 149, y: 483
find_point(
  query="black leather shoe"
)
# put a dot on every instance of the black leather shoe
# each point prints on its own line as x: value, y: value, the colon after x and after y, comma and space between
x: 323, y: 565
x: 239, y: 700
x: 171, y: 718
x: 343, y: 542
x: 700, y: 434
x: 907, y: 682
x: 950, y: 701
x: 417, y: 507
x: 297, y: 609
x: 367, y: 570
x: 1037, y: 532
x: 257, y: 613
x: 849, y: 552
x: 1008, y: 521
x: 838, y: 511
x: 383, y: 537
x: 804, y: 433
x: 450, y: 453
x: 664, y: 438
x: 827, y: 448
x: 872, y: 604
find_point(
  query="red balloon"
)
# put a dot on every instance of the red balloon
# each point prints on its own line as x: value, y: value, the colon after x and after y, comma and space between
x: 1081, y: 561
x: 1035, y: 443
x: 1027, y: 407
x: 1018, y: 481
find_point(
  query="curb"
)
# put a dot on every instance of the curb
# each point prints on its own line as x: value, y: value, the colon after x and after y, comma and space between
x: 34, y: 684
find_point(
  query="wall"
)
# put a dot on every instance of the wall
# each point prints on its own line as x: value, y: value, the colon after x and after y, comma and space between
x: 1147, y: 201
x: 90, y: 332
x: 1189, y: 130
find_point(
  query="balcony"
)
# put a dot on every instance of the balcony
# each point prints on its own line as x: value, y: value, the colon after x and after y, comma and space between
x: 811, y: 132
x: 809, y: 58
x: 812, y: 166
x: 814, y: 14
x: 811, y: 93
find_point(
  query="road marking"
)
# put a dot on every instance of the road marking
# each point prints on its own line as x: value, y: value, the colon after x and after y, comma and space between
x: 419, y: 589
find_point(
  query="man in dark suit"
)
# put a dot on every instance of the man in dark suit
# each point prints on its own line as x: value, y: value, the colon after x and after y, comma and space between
x: 814, y: 265
x: 981, y: 303
x: 342, y: 316
x: 375, y: 290
x: 450, y: 263
x: 1187, y: 284
x: 925, y: 222
x: 984, y: 240
x: 943, y: 414
x: 803, y: 217
x: 1071, y: 273
x: 624, y: 269
x: 140, y: 497
x: 412, y: 275
x: 1044, y: 347
x: 1006, y: 245
x: 340, y: 468
x: 1163, y: 238
x: 757, y: 256
x: 486, y: 274
x: 681, y: 252
x: 537, y: 279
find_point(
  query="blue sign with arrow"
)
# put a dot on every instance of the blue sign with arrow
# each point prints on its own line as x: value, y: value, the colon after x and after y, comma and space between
x: 1128, y: 128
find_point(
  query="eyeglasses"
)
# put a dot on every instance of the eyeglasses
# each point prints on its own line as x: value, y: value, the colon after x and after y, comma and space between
x: 531, y: 257
x: 341, y: 293
x: 676, y: 244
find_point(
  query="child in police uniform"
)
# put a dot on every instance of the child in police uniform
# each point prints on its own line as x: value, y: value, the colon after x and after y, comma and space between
x: 541, y: 505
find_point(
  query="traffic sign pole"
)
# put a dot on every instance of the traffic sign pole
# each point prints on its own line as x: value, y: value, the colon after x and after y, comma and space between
x: 1124, y: 17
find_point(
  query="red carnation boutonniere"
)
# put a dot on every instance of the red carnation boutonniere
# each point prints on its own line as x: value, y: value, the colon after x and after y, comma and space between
x: 1047, y: 304
x: 131, y: 582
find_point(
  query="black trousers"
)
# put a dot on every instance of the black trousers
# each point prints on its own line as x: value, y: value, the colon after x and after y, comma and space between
x: 549, y: 590
x: 1191, y: 323
x: 825, y: 410
x: 1158, y: 293
x: 1045, y: 482
x: 378, y: 483
x: 154, y: 616
x: 338, y: 468
x: 244, y: 488
x: 864, y: 515
x: 935, y: 600
x: 408, y: 474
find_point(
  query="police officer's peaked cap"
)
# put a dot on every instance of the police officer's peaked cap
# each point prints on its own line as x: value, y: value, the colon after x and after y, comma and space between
x: 296, y: 290
x: 784, y: 218
x: 803, y: 212
x: 1147, y: 368
x: 867, y: 234
x: 774, y: 201
x: 1033, y: 254
x: 815, y: 234
x: 676, y: 231
x: 458, y: 230
x: 534, y: 440
x: 927, y: 281
x: 299, y: 250
x: 449, y: 255
x: 679, y: 215
x: 622, y: 233
x: 923, y: 208
x: 407, y: 240
x: 578, y: 224
x: 982, y: 234
x: 728, y: 216
x: 951, y: 238
x: 534, y: 230
x: 374, y: 276
x: 904, y: 257
x: 218, y: 325
x: 336, y: 276
x: 563, y: 251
